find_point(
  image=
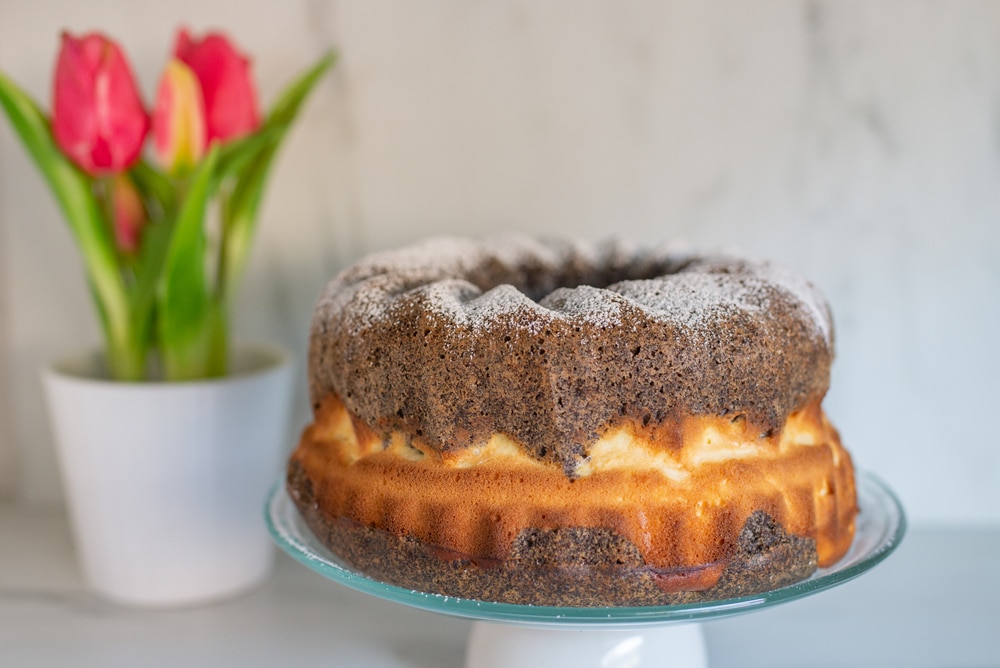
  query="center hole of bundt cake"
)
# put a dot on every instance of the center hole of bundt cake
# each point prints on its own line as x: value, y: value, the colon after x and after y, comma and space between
x: 537, y: 280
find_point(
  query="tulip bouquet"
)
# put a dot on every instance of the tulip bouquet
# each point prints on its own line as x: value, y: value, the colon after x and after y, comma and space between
x: 164, y: 240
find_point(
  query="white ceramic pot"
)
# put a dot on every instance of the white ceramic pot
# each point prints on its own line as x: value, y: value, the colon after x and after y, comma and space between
x: 165, y: 481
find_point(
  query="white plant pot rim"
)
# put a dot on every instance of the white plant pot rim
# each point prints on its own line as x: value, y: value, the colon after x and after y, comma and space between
x: 81, y: 367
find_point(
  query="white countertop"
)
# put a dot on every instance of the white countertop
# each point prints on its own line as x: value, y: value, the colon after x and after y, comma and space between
x: 933, y: 603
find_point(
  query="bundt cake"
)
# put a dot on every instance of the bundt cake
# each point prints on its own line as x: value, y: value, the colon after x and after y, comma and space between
x: 557, y: 423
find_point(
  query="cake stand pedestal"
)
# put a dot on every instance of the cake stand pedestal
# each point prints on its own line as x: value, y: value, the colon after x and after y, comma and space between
x: 509, y: 636
x: 502, y: 646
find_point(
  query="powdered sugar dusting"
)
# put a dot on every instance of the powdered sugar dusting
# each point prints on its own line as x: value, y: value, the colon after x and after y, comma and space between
x: 475, y: 284
x: 600, y: 308
x: 439, y: 257
x: 805, y: 292
x: 707, y: 288
x: 694, y: 300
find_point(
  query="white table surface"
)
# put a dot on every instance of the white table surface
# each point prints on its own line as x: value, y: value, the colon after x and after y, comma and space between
x: 933, y: 603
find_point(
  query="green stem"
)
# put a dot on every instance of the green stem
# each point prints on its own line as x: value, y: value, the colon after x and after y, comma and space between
x: 225, y: 214
x: 218, y: 354
x: 126, y: 357
x: 124, y: 345
x: 206, y: 355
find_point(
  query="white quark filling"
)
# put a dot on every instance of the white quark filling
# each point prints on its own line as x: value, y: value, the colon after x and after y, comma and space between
x: 619, y: 450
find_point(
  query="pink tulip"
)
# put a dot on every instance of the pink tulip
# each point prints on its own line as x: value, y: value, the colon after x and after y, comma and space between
x: 97, y: 115
x: 226, y: 85
x: 129, y: 212
x: 179, y: 119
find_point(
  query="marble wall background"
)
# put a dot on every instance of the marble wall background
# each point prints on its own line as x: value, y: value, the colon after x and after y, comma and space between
x: 856, y: 141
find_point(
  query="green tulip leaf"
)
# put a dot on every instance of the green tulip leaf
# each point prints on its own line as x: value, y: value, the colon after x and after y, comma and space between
x: 286, y: 108
x: 242, y: 206
x: 73, y: 190
x: 236, y: 156
x: 185, y: 310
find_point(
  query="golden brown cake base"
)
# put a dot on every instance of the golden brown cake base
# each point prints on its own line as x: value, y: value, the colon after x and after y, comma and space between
x: 710, y: 508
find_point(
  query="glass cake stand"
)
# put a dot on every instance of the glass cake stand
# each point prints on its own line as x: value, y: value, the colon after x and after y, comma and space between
x: 506, y: 635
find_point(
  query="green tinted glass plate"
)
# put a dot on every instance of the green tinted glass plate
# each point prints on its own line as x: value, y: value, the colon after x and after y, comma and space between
x: 880, y: 528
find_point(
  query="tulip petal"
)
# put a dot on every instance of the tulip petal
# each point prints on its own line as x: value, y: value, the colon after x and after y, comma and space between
x: 73, y: 120
x: 114, y: 92
x: 179, y: 119
x: 231, y: 109
x: 98, y: 118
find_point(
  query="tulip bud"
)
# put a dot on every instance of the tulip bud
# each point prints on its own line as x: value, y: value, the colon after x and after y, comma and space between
x: 129, y: 212
x: 226, y: 85
x: 97, y: 115
x: 179, y: 119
